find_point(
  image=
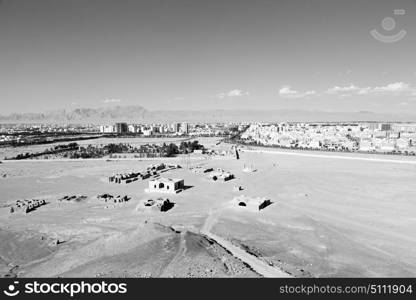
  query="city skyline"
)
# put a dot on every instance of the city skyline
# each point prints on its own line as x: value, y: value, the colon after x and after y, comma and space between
x: 196, y: 55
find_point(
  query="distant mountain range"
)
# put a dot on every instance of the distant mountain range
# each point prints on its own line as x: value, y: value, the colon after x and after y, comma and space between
x: 79, y: 115
x: 137, y: 114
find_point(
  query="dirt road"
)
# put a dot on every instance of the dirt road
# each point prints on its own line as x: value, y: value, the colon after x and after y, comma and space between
x: 255, y: 263
x: 277, y: 152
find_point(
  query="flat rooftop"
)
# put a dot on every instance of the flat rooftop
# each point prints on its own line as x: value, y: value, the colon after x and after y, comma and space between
x: 164, y: 180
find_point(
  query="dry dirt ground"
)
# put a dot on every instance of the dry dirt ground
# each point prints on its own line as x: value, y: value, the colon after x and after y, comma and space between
x: 329, y: 217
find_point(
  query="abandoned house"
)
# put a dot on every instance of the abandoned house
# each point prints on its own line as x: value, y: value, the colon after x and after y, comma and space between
x: 165, y: 185
x: 253, y: 203
x: 220, y: 175
x: 160, y: 204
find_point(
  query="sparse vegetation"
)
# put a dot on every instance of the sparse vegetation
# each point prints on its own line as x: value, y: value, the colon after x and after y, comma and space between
x: 74, y: 151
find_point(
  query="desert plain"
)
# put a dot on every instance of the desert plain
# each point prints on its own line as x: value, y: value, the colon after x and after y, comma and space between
x: 330, y: 216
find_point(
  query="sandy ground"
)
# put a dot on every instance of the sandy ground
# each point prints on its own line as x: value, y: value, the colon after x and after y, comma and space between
x: 329, y: 217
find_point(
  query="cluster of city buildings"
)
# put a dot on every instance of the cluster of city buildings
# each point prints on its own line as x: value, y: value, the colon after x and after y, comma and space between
x: 184, y: 128
x: 14, y: 129
x: 145, y: 129
x: 397, y: 138
x: 23, y: 134
x: 20, y: 134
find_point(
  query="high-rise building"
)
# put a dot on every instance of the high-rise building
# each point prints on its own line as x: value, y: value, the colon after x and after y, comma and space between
x: 176, y: 127
x: 107, y: 129
x: 373, y: 126
x: 184, y: 128
x: 133, y: 128
x: 121, y: 128
x: 385, y: 127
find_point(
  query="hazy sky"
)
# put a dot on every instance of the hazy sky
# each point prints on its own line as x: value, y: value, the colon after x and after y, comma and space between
x: 176, y: 54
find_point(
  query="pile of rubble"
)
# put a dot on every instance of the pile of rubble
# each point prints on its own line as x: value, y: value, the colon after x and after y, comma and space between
x: 156, y: 167
x: 220, y: 175
x: 255, y: 203
x: 249, y: 169
x: 73, y: 198
x: 201, y: 169
x: 26, y: 206
x: 151, y: 170
x: 162, y: 167
x: 111, y: 198
x: 128, y: 177
x: 160, y: 204
x: 237, y: 188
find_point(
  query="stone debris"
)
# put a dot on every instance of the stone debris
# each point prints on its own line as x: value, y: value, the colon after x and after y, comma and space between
x: 151, y: 170
x: 249, y: 169
x: 160, y: 204
x: 255, y: 203
x: 111, y: 199
x: 26, y: 206
x: 237, y: 188
x: 201, y: 169
x: 73, y: 198
x: 220, y: 175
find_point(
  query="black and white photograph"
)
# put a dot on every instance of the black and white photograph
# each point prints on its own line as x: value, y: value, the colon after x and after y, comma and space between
x: 232, y: 139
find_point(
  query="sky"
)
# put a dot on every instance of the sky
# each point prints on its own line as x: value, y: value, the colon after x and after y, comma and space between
x: 193, y: 54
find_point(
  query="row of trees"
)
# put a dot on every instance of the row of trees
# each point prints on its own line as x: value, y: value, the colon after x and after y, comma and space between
x: 52, y: 150
x: 189, y: 147
x: 74, y: 151
x: 184, y: 148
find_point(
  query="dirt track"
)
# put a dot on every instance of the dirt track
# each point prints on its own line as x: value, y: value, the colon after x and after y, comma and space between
x: 256, y: 264
x: 397, y: 161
